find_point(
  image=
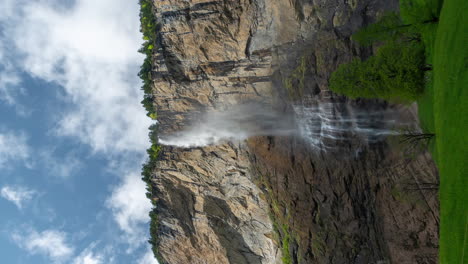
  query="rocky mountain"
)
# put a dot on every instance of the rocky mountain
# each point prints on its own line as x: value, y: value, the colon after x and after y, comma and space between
x: 277, y: 199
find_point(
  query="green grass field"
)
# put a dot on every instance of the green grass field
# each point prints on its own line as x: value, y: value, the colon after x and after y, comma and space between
x: 451, y: 124
x: 443, y: 110
x: 426, y: 101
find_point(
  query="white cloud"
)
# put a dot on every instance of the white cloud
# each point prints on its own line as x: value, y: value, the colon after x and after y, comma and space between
x: 130, y: 207
x: 51, y: 243
x: 62, y: 167
x: 148, y: 258
x: 9, y: 77
x: 10, y: 85
x: 7, y: 8
x: 17, y: 195
x: 9, y: 81
x: 88, y: 257
x: 13, y: 147
x: 91, y: 51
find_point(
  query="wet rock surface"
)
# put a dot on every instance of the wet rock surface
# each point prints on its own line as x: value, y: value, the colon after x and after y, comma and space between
x: 359, y: 203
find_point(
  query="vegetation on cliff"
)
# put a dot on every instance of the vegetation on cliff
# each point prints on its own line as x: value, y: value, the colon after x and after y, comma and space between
x: 149, y: 30
x: 423, y: 59
x: 280, y: 219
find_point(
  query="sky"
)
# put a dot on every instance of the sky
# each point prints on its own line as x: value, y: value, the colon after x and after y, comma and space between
x: 73, y: 133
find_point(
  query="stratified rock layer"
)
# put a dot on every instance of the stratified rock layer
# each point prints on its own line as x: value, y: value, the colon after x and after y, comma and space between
x: 209, y: 209
x: 215, y: 202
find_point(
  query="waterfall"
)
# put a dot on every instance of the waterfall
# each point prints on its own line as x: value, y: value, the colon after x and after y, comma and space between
x: 322, y: 126
x: 235, y: 123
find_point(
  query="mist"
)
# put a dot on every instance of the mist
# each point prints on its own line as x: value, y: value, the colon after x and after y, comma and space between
x: 319, y: 126
x: 236, y: 123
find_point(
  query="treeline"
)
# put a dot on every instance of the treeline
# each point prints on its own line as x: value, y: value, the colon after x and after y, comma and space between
x: 149, y: 28
x: 399, y: 70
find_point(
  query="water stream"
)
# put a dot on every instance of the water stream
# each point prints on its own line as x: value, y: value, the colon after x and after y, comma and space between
x: 321, y: 126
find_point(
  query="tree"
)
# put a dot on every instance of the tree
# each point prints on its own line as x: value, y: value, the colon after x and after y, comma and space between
x: 395, y: 73
x: 401, y: 67
x: 415, y: 141
x: 388, y: 27
x: 347, y: 79
x: 392, y: 27
x: 420, y: 12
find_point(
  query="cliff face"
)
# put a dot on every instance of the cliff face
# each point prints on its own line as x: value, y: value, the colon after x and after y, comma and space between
x: 274, y: 199
x: 210, y: 210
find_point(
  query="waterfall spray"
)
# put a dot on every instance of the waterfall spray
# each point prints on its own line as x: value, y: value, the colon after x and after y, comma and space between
x: 320, y: 125
x: 236, y: 123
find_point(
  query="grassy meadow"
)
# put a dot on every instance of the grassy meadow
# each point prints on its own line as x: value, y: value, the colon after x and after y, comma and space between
x: 450, y: 117
x: 443, y: 110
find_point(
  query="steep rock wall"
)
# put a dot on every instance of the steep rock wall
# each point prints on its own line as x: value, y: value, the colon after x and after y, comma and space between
x: 214, y: 202
x: 209, y: 209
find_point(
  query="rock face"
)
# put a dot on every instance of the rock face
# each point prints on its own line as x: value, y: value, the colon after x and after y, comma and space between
x: 210, y: 210
x: 275, y: 199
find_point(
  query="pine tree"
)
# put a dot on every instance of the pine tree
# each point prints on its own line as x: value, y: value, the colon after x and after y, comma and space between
x: 401, y: 68
x: 395, y: 73
x: 420, y: 12
x: 388, y: 27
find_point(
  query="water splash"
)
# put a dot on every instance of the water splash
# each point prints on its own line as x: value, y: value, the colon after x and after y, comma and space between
x: 322, y: 126
x: 236, y: 123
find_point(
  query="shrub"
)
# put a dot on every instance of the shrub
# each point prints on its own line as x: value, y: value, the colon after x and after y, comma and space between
x: 149, y: 29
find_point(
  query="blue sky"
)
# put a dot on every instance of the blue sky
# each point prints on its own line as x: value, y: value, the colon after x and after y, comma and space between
x: 72, y: 133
